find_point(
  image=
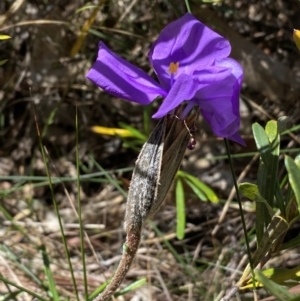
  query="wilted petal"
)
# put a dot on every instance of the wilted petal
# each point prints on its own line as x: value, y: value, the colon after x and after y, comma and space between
x: 122, y: 79
x: 188, y: 42
x: 183, y: 89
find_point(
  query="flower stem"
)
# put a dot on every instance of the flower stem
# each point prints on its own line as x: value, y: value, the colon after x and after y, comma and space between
x: 187, y: 4
x: 129, y: 250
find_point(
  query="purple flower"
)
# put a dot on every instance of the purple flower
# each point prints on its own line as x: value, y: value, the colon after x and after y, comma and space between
x: 192, y: 66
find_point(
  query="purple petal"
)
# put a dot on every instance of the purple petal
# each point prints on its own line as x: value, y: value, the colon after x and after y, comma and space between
x: 122, y: 79
x: 188, y: 42
x: 237, y: 138
x: 233, y: 65
x: 219, y: 104
x: 183, y: 89
x: 211, y: 74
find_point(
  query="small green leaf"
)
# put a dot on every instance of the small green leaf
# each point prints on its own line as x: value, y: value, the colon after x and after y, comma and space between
x: 294, y: 177
x: 271, y: 130
x: 251, y: 192
x: 180, y: 210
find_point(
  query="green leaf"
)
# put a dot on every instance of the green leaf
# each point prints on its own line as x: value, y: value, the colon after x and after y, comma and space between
x: 292, y: 211
x: 282, y: 275
x: 293, y: 243
x: 283, y: 124
x: 267, y: 143
x: 261, y: 140
x: 294, y: 177
x: 198, y: 186
x: 198, y: 192
x: 251, y: 192
x: 277, y: 227
x: 271, y: 130
x: 297, y: 161
x: 180, y: 210
x: 276, y: 290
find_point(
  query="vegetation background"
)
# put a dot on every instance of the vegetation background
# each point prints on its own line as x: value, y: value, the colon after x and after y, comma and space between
x: 52, y: 45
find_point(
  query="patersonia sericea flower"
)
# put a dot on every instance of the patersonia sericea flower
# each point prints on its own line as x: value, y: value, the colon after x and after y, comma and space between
x: 192, y: 66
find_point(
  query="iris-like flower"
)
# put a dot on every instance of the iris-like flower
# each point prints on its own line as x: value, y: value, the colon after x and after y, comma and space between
x: 192, y: 66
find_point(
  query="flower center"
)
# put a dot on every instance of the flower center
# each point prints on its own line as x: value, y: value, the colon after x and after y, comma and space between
x: 173, y: 68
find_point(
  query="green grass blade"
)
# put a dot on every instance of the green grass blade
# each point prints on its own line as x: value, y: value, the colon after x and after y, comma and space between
x: 293, y: 243
x: 275, y: 229
x: 22, y: 289
x: 135, y: 285
x: 169, y: 246
x: 79, y: 209
x: 63, y: 237
x: 275, y: 289
x: 49, y: 275
x: 200, y: 195
x: 199, y: 186
x: 20, y: 265
x: 135, y: 133
x: 98, y: 290
x: 180, y: 210
x: 111, y: 179
x: 9, y: 217
x: 294, y: 177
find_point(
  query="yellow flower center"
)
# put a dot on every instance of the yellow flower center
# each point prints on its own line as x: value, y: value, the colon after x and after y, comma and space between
x: 173, y: 67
